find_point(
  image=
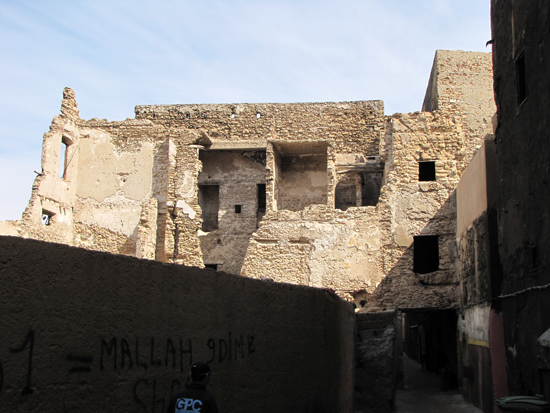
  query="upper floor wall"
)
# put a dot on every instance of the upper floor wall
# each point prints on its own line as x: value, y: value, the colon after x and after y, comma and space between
x: 350, y: 127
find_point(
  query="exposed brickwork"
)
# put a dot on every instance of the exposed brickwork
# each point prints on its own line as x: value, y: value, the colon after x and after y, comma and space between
x: 286, y: 173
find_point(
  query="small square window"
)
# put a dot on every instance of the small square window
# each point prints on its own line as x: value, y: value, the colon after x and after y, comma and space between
x: 238, y: 209
x: 426, y: 254
x: 211, y: 266
x: 426, y: 171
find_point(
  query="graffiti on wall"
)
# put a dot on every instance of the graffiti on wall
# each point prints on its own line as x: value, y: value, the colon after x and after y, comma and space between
x: 146, y: 360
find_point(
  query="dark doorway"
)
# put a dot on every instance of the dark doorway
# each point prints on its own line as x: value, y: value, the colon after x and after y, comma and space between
x: 429, y: 337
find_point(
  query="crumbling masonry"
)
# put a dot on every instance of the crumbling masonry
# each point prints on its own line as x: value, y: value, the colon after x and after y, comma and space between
x: 332, y: 195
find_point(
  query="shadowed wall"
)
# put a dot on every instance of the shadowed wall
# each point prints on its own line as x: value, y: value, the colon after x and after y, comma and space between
x: 88, y: 331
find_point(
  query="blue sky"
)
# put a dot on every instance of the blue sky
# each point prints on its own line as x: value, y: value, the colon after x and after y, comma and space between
x: 117, y: 54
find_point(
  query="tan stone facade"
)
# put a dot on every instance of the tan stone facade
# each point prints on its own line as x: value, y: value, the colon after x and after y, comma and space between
x: 329, y: 195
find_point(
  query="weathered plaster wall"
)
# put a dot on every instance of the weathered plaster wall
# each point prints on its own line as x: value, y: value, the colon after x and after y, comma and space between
x: 318, y: 247
x: 477, y: 263
x: 472, y: 193
x: 479, y: 274
x: 87, y: 331
x: 53, y: 193
x: 181, y: 219
x: 118, y: 162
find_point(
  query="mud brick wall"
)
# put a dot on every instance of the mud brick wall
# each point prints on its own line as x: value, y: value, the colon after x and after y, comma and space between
x: 353, y: 126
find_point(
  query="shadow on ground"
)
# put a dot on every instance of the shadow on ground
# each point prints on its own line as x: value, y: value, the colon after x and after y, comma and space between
x: 422, y: 393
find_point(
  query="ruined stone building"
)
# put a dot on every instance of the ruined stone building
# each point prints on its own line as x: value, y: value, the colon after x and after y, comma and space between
x: 433, y: 223
x: 329, y: 195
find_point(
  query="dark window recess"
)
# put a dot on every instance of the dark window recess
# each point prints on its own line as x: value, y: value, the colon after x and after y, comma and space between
x: 535, y: 261
x: 64, y: 156
x: 238, y: 209
x: 261, y: 198
x: 371, y: 182
x: 46, y: 217
x: 344, y: 196
x: 261, y: 204
x: 426, y: 171
x: 426, y: 254
x: 209, y: 201
x: 63, y: 161
x: 345, y: 193
x: 520, y: 78
x: 211, y: 266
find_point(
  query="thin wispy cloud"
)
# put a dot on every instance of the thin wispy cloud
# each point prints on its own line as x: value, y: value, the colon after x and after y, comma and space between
x: 117, y: 54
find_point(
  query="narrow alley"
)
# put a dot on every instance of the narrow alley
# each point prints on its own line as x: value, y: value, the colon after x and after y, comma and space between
x: 422, y: 393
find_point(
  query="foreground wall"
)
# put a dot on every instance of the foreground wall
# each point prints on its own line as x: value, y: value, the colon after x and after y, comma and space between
x: 521, y: 60
x: 480, y: 333
x: 87, y: 331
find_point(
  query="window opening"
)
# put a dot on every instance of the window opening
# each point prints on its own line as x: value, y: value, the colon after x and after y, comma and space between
x: 261, y: 198
x: 211, y: 266
x: 46, y: 217
x: 209, y: 201
x: 261, y: 203
x: 62, y: 160
x: 302, y: 181
x: 426, y: 254
x: 64, y: 156
x: 258, y: 115
x: 238, y: 209
x: 520, y: 78
x: 345, y: 195
x: 426, y: 171
x: 535, y: 261
x: 371, y: 182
